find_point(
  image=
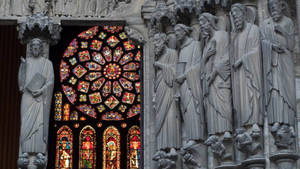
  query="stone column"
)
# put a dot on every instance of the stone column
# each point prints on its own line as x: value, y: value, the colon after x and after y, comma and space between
x: 285, y: 159
x: 148, y: 116
x: 38, y: 30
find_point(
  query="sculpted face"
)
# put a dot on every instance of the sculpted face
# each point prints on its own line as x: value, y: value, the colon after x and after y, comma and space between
x: 205, y: 27
x: 238, y: 17
x: 36, y: 48
x: 180, y: 33
x: 159, y: 44
x: 275, y: 11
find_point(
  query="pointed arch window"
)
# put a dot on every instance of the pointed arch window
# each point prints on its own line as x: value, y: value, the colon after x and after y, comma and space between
x: 87, y: 154
x: 64, y: 148
x: 111, y: 148
x: 134, y: 148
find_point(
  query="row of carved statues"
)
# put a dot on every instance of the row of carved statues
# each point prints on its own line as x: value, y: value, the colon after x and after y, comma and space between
x: 82, y: 8
x: 220, y: 89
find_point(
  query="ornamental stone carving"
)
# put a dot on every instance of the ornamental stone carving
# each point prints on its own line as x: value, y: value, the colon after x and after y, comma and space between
x: 166, y: 160
x: 40, y: 26
x: 134, y: 35
x: 163, y: 20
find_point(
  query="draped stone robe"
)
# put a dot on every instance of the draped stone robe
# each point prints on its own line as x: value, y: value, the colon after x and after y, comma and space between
x: 167, y: 114
x: 217, y: 96
x: 35, y: 111
x: 247, y: 79
x: 191, y: 103
x: 279, y: 71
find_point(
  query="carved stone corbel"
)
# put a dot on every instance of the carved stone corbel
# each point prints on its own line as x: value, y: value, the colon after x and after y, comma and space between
x: 39, y: 26
x: 163, y: 20
x: 135, y: 35
x: 190, y: 157
x: 166, y: 160
x: 250, y: 143
x: 187, y: 12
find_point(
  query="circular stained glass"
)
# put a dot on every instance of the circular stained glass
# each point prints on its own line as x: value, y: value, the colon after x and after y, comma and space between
x: 112, y: 71
x: 99, y: 73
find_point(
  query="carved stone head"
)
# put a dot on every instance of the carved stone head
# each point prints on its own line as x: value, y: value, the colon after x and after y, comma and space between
x: 238, y: 12
x: 207, y: 24
x: 275, y: 9
x: 36, y: 47
x: 159, y: 40
x: 182, y: 31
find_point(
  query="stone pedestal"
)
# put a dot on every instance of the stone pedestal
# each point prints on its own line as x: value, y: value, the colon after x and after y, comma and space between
x: 254, y: 163
x: 227, y: 165
x: 285, y: 160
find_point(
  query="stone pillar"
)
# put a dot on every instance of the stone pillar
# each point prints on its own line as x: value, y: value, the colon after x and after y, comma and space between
x: 148, y: 116
x: 44, y: 32
x: 285, y: 159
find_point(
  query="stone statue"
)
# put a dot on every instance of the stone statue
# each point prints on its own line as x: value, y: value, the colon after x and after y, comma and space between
x: 284, y: 137
x: 36, y: 81
x: 190, y: 156
x: 167, y: 115
x: 189, y: 95
x: 188, y: 69
x: 246, y: 63
x: 248, y: 143
x: 216, y: 82
x: 23, y: 161
x: 166, y: 160
x: 278, y: 39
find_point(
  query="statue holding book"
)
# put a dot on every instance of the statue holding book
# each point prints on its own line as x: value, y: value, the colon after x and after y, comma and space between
x: 36, y: 81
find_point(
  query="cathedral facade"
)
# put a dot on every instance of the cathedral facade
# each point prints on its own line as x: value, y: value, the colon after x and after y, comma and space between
x: 154, y: 84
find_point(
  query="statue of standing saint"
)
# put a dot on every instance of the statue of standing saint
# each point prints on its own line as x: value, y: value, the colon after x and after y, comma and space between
x: 216, y: 86
x: 190, y: 85
x: 36, y: 81
x: 167, y: 114
x: 247, y: 71
x: 217, y: 82
x: 277, y: 34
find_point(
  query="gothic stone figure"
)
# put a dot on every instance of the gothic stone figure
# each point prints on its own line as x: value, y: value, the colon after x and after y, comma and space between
x: 284, y: 137
x: 166, y: 160
x: 216, y: 72
x: 277, y: 43
x: 167, y: 116
x: 247, y: 74
x: 190, y: 88
x: 249, y: 142
x: 36, y: 80
x: 190, y: 157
